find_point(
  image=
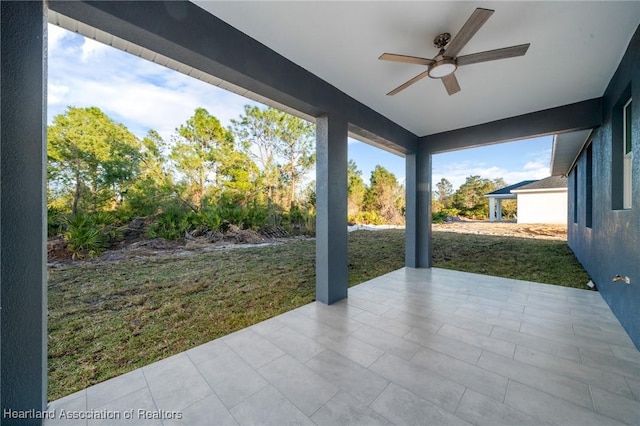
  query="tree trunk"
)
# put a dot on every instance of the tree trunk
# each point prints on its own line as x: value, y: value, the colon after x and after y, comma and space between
x: 76, y: 196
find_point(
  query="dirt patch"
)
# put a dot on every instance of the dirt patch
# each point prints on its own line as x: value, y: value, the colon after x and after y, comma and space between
x: 506, y: 229
x: 57, y: 248
x: 233, y: 237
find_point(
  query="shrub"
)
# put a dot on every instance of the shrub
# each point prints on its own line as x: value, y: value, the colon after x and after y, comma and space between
x: 232, y: 215
x: 438, y: 217
x: 84, y: 237
x: 256, y: 216
x: 441, y: 216
x: 107, y: 223
x: 478, y: 213
x: 55, y: 221
x: 171, y: 224
x: 367, y: 218
x: 300, y: 220
x: 451, y: 212
x: 253, y: 216
x: 209, y: 219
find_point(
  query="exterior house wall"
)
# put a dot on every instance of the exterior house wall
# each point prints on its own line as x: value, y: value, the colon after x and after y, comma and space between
x: 610, y: 246
x: 23, y: 212
x: 542, y: 207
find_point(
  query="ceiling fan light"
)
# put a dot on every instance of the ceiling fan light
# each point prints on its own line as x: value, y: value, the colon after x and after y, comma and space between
x: 442, y: 68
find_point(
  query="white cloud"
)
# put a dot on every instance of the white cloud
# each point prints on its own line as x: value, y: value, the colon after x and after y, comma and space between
x: 91, y: 50
x: 513, y: 162
x: 140, y: 94
x: 56, y: 93
x: 458, y: 172
x: 55, y: 35
x: 532, y: 165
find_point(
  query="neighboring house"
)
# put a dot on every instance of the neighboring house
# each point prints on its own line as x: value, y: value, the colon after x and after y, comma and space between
x: 496, y: 197
x: 543, y: 201
x: 539, y: 201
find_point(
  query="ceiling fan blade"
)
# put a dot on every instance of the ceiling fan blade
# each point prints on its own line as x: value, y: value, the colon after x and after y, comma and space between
x: 493, y: 55
x: 473, y: 24
x: 408, y: 83
x: 451, y: 84
x: 405, y: 58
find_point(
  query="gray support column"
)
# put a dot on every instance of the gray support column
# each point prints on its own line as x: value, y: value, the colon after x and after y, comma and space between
x: 331, y: 209
x: 418, y: 247
x: 23, y: 317
x: 411, y: 212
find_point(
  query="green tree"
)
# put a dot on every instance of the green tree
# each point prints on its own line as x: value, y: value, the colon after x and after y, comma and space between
x: 240, y: 179
x: 155, y: 186
x: 356, y: 189
x: 283, y: 147
x: 442, y: 196
x: 201, y: 147
x: 443, y: 192
x: 385, y: 195
x: 310, y: 196
x: 470, y: 199
x: 499, y: 183
x: 257, y: 130
x: 295, y: 148
x: 92, y: 159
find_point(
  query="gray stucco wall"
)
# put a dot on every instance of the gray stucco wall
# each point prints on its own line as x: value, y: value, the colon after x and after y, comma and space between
x: 22, y: 210
x: 612, y: 245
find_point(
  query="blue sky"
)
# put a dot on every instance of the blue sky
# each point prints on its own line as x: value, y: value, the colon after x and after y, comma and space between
x: 143, y: 96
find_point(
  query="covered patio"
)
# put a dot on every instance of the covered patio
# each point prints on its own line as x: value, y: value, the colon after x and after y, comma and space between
x: 417, y: 346
x: 414, y: 346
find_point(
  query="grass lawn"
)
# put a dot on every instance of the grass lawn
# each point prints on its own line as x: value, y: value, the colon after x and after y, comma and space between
x: 110, y: 318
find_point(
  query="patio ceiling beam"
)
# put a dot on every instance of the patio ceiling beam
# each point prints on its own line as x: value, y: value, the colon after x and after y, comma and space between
x: 188, y: 34
x: 567, y: 118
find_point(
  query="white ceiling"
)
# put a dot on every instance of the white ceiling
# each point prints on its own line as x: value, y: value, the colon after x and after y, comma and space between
x: 575, y: 49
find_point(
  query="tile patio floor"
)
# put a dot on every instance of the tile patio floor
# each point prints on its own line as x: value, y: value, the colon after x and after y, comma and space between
x: 416, y: 347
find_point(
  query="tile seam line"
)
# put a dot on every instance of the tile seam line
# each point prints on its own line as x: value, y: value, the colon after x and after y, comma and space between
x: 604, y: 372
x: 555, y: 397
x: 377, y: 397
x: 127, y: 394
x: 218, y: 396
x: 472, y: 365
x: 148, y: 387
x: 285, y: 396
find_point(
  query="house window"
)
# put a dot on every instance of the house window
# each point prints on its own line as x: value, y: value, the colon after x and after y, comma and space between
x: 575, y: 194
x: 627, y: 153
x: 589, y: 187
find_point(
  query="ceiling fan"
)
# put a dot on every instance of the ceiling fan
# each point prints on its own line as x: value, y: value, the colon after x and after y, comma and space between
x: 445, y: 63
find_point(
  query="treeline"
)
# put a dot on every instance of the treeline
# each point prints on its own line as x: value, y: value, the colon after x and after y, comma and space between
x: 468, y: 200
x: 254, y: 174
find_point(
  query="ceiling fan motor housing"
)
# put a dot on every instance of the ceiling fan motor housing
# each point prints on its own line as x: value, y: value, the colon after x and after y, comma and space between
x: 441, y: 40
